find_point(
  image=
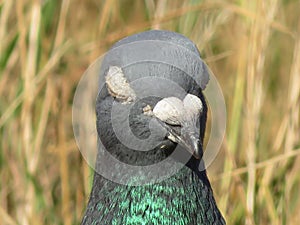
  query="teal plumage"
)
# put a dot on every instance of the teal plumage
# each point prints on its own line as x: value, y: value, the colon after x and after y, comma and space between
x: 181, y: 199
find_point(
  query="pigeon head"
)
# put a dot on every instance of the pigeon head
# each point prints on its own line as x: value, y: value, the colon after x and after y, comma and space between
x: 152, y: 100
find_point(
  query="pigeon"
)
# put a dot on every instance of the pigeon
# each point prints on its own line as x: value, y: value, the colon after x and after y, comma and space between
x: 151, y: 117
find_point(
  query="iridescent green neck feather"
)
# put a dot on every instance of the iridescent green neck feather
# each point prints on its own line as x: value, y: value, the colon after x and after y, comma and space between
x: 185, y: 198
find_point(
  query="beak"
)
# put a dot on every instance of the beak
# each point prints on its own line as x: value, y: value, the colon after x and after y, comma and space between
x: 188, y: 137
x: 189, y: 140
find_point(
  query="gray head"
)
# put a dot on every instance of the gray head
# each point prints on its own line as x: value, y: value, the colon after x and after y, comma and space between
x: 152, y: 101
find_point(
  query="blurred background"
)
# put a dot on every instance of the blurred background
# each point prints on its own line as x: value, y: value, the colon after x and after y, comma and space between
x: 253, y: 48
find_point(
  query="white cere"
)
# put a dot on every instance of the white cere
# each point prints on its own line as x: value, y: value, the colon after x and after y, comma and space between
x: 175, y: 112
x: 169, y: 110
x: 192, y: 104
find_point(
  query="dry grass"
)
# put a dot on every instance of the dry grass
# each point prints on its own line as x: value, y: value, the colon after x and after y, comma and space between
x: 253, y: 47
